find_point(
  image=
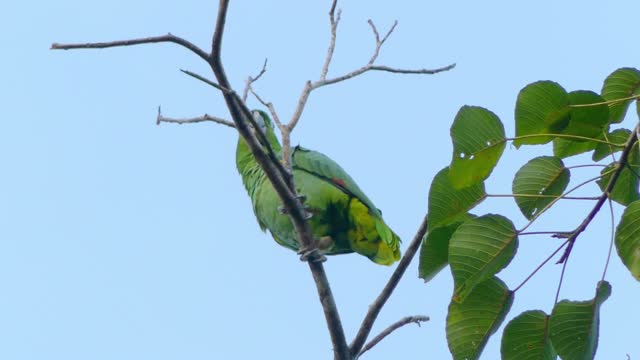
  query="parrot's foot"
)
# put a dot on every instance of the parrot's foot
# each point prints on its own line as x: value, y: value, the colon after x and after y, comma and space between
x: 312, y: 254
x: 308, y: 214
x: 283, y: 210
x: 302, y: 198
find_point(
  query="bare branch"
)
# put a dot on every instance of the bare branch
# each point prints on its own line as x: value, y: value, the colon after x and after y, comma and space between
x: 204, y: 118
x: 284, y: 131
x: 148, y: 40
x: 283, y: 184
x: 205, y: 80
x: 410, y: 71
x: 563, y: 196
x: 310, y: 86
x: 393, y: 327
x: 323, y: 81
x: 270, y: 107
x: 541, y: 265
x: 379, y: 42
x: 612, y: 227
x: 332, y: 43
x: 251, y: 80
x: 376, y: 306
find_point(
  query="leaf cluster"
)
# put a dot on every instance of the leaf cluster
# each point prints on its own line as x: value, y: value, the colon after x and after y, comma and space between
x: 477, y: 247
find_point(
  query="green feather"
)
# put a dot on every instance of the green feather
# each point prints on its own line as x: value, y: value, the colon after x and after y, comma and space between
x: 341, y: 211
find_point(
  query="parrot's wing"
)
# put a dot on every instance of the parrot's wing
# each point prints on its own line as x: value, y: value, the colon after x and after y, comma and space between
x: 323, y: 167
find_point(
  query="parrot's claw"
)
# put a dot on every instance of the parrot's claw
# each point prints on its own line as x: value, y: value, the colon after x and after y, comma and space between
x: 283, y: 210
x: 311, y: 254
x: 308, y: 214
x: 302, y: 198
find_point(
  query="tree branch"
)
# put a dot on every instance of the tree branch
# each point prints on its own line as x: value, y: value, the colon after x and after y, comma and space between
x: 323, y: 81
x: 332, y: 43
x: 283, y: 183
x: 205, y: 80
x: 148, y: 40
x: 251, y: 79
x: 393, y: 327
x: 204, y: 118
x: 622, y: 163
x: 376, y: 306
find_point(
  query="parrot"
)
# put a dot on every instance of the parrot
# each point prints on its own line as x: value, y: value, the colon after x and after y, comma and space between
x: 343, y: 219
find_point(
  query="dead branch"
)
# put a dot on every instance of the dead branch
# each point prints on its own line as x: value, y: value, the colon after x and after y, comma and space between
x: 206, y: 81
x: 251, y: 79
x: 148, y: 40
x: 376, y: 306
x: 393, y: 327
x: 283, y: 183
x: 204, y: 118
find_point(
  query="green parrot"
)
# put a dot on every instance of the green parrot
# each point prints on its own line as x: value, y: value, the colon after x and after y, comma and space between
x: 343, y: 219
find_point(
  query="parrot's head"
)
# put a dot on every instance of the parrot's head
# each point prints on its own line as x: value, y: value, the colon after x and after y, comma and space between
x: 244, y: 158
x: 263, y: 121
x: 265, y: 125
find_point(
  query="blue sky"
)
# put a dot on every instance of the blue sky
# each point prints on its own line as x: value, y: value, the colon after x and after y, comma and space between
x: 120, y: 239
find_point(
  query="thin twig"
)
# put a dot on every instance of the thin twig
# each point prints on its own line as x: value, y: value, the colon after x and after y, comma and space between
x: 585, y: 166
x: 376, y: 306
x: 251, y: 80
x: 564, y: 268
x: 323, y: 81
x: 366, y: 68
x: 612, y: 225
x: 393, y: 327
x: 608, y: 102
x: 379, y: 42
x: 565, y: 136
x: 332, y: 43
x: 270, y: 107
x: 552, y: 202
x: 204, y: 118
x: 148, y: 40
x: 556, y: 234
x: 541, y: 265
x: 205, y: 80
x: 542, y: 196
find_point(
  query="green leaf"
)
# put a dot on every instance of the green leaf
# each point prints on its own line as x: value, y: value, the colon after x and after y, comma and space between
x: 622, y: 83
x: 587, y: 121
x: 584, y: 122
x: 526, y: 337
x: 434, y: 253
x: 479, y: 249
x: 478, y: 142
x: 542, y: 108
x: 628, y: 238
x: 574, y: 325
x: 471, y: 324
x: 544, y: 176
x: 618, y: 136
x: 447, y: 203
x: 625, y: 191
x: 563, y: 148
